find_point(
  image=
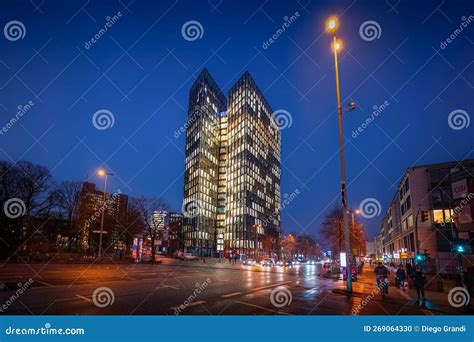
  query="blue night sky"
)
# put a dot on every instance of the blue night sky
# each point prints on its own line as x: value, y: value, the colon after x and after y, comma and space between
x: 142, y: 68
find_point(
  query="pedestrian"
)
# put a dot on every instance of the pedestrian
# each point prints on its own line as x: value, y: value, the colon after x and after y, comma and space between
x: 402, y: 277
x: 420, y: 281
x: 409, y: 270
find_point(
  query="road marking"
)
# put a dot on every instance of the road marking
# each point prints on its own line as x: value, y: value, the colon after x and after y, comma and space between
x: 269, y: 286
x: 169, y: 286
x: 85, y: 298
x: 261, y: 307
x: 190, y: 304
x: 42, y: 282
x: 231, y: 294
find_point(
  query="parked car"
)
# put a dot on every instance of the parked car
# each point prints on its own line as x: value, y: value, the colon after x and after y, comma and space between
x: 188, y: 257
x: 250, y: 262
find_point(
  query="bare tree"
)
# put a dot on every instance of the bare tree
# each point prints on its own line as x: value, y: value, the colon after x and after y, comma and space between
x: 66, y: 197
x: 332, y: 229
x: 333, y: 234
x: 146, y: 207
x: 288, y: 245
x: 33, y: 183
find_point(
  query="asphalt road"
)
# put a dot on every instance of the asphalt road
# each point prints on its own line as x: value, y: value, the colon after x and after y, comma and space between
x: 183, y: 288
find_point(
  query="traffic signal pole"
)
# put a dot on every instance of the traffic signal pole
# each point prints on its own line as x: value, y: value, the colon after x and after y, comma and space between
x: 455, y: 235
x: 417, y: 241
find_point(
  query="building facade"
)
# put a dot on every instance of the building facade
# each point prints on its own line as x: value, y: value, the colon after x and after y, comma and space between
x: 91, y: 206
x: 232, y: 171
x: 429, y: 204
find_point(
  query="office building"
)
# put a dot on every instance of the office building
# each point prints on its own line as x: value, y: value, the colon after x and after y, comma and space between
x: 232, y: 171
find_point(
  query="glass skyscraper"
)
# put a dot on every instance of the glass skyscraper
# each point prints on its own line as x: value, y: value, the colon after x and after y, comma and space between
x: 232, y: 172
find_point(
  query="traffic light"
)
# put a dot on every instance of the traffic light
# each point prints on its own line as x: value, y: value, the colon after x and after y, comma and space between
x: 420, y: 257
x: 424, y: 215
x: 459, y: 248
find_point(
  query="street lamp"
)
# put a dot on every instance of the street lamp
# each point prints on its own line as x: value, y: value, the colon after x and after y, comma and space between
x: 355, y: 231
x: 103, y: 173
x: 331, y: 26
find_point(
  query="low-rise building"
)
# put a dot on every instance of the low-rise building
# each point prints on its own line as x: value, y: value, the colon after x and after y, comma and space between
x: 434, y: 202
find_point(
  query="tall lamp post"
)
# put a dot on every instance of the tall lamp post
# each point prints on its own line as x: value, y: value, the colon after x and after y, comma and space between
x: 332, y: 25
x: 103, y: 173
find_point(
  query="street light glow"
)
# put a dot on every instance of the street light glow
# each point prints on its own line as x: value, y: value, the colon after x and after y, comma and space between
x: 337, y: 45
x: 101, y: 172
x: 331, y: 24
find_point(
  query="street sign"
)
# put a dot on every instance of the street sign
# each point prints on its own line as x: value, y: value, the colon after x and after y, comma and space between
x: 98, y: 231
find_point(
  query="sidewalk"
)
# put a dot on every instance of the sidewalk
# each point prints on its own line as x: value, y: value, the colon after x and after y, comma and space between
x: 366, y: 286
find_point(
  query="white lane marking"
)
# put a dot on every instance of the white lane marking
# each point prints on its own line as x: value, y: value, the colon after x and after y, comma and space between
x: 85, y: 298
x: 262, y: 308
x: 190, y: 304
x: 231, y: 294
x: 42, y: 282
x: 169, y: 286
x: 269, y: 286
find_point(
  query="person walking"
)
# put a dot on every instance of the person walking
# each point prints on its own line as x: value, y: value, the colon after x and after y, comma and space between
x: 401, y: 277
x: 409, y: 270
x: 419, y: 279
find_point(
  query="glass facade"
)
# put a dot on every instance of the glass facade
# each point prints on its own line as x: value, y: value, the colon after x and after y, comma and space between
x: 201, y: 175
x: 232, y: 169
x: 253, y: 173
